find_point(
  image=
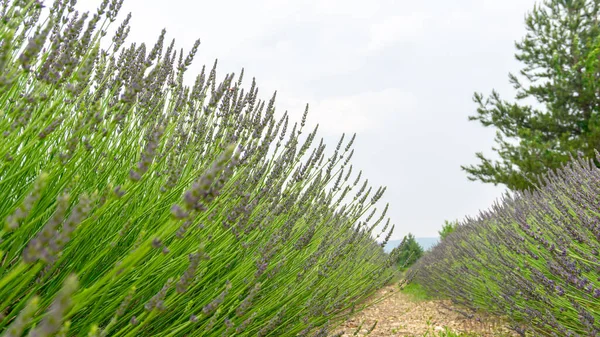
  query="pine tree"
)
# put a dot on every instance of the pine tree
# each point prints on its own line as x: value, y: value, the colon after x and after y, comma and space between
x: 555, y: 112
x: 408, y: 252
x: 447, y: 228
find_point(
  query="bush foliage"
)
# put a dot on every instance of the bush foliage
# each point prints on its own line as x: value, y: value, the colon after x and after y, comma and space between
x: 447, y: 228
x: 408, y: 252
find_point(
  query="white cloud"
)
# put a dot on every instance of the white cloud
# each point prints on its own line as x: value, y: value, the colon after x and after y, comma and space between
x: 356, y: 9
x: 364, y: 112
x: 398, y: 28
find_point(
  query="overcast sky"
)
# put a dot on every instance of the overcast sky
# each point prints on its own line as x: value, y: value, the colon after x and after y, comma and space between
x: 399, y: 73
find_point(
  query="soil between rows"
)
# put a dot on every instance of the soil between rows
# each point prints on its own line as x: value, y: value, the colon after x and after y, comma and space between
x: 399, y: 314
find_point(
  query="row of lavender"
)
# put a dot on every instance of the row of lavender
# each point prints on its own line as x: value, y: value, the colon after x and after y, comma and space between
x: 533, y: 257
x: 135, y: 205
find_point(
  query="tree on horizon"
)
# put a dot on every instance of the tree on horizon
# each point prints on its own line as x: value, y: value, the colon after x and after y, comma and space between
x: 408, y: 252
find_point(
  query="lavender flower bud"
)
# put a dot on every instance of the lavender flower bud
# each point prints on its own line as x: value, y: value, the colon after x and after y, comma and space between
x: 13, y: 221
x: 24, y: 318
x: 51, y: 323
x: 157, y: 301
x: 189, y: 274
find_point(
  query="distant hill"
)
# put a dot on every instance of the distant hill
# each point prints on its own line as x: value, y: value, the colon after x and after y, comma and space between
x: 426, y: 243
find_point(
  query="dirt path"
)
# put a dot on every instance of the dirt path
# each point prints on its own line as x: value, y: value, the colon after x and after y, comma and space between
x: 401, y: 315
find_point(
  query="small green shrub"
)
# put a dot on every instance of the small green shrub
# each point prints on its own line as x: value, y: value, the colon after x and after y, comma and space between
x: 416, y: 292
x: 447, y: 228
x: 407, y: 253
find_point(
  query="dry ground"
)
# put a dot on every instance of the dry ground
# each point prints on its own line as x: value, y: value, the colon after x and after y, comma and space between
x: 400, y: 314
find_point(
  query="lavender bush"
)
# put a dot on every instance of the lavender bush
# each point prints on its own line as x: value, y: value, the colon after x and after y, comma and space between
x: 136, y: 205
x: 533, y: 257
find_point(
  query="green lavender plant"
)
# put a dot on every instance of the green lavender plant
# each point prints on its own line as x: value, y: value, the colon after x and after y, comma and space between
x: 533, y: 258
x: 134, y: 204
